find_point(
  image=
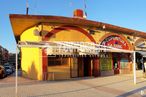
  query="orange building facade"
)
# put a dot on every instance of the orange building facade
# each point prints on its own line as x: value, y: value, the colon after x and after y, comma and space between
x: 37, y: 63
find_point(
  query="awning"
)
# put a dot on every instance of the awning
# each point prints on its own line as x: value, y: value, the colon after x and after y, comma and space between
x: 141, y: 48
x: 143, y: 53
x: 71, y: 48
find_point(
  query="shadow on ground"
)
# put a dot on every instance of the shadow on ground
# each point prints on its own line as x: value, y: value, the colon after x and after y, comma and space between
x: 130, y: 93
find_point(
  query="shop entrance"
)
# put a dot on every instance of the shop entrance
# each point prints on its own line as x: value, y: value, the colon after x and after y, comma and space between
x: 84, y: 66
x: 115, y: 65
x: 87, y: 66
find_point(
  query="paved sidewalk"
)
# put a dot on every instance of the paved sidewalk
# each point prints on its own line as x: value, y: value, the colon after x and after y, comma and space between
x: 111, y: 86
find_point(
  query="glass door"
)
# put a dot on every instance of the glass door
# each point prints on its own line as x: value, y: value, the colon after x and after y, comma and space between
x: 115, y: 65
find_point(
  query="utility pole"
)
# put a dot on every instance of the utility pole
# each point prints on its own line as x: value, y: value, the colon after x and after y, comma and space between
x: 134, y: 60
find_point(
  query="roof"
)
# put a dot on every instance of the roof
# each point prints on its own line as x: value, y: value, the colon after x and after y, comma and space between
x: 21, y: 22
x: 143, y: 53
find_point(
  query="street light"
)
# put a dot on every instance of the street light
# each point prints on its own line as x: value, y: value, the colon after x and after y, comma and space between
x: 16, y: 73
x: 134, y: 61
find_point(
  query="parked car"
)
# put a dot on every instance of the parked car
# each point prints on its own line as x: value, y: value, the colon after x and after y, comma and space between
x: 9, y: 65
x: 8, y: 70
x: 13, y: 67
x: 6, y: 64
x: 2, y: 72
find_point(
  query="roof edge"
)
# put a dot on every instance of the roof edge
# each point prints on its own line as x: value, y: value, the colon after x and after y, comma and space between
x: 80, y: 22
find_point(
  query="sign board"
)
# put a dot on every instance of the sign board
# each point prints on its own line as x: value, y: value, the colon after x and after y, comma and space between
x: 115, y: 41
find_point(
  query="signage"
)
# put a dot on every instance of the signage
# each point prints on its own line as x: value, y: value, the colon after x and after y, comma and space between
x: 115, y: 41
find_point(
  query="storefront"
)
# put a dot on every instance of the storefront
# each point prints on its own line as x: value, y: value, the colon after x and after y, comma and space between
x: 115, y: 62
x: 72, y: 47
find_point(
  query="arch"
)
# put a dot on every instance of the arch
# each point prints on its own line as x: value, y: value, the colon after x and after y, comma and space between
x: 51, y: 33
x: 56, y: 30
x: 139, y: 40
x: 130, y: 47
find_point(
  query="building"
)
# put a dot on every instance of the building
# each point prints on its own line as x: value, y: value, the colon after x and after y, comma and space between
x: 12, y: 58
x: 4, y: 55
x: 38, y: 63
x: 1, y: 55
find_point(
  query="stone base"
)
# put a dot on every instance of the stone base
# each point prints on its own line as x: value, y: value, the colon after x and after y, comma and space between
x: 125, y: 71
x: 107, y: 73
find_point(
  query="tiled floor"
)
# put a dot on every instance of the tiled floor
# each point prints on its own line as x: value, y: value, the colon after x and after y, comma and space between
x: 111, y: 86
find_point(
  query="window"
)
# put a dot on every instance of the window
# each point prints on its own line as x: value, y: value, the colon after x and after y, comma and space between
x: 123, y: 63
x: 57, y: 61
x: 105, y: 64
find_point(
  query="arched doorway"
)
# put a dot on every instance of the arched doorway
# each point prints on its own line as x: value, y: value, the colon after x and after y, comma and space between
x: 70, y: 34
x: 117, y: 62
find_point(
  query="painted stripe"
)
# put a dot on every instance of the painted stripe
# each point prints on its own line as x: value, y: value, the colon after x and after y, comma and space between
x: 44, y: 64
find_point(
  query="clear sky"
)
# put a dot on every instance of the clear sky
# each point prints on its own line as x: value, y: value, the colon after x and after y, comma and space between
x: 125, y: 13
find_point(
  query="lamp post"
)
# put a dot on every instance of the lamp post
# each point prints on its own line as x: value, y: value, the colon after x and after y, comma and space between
x: 134, y: 57
x: 134, y: 60
x: 16, y: 73
x: 134, y: 67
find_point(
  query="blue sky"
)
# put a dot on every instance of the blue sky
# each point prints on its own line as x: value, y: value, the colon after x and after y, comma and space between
x: 125, y: 13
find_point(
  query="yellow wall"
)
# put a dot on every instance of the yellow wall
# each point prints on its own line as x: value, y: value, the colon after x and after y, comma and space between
x: 99, y: 34
x: 31, y: 62
x: 71, y: 35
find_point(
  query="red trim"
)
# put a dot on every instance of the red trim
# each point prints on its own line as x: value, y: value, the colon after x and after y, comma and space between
x: 44, y: 64
x: 96, y: 67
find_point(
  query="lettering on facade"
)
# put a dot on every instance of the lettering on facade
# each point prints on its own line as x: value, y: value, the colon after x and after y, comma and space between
x: 115, y: 41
